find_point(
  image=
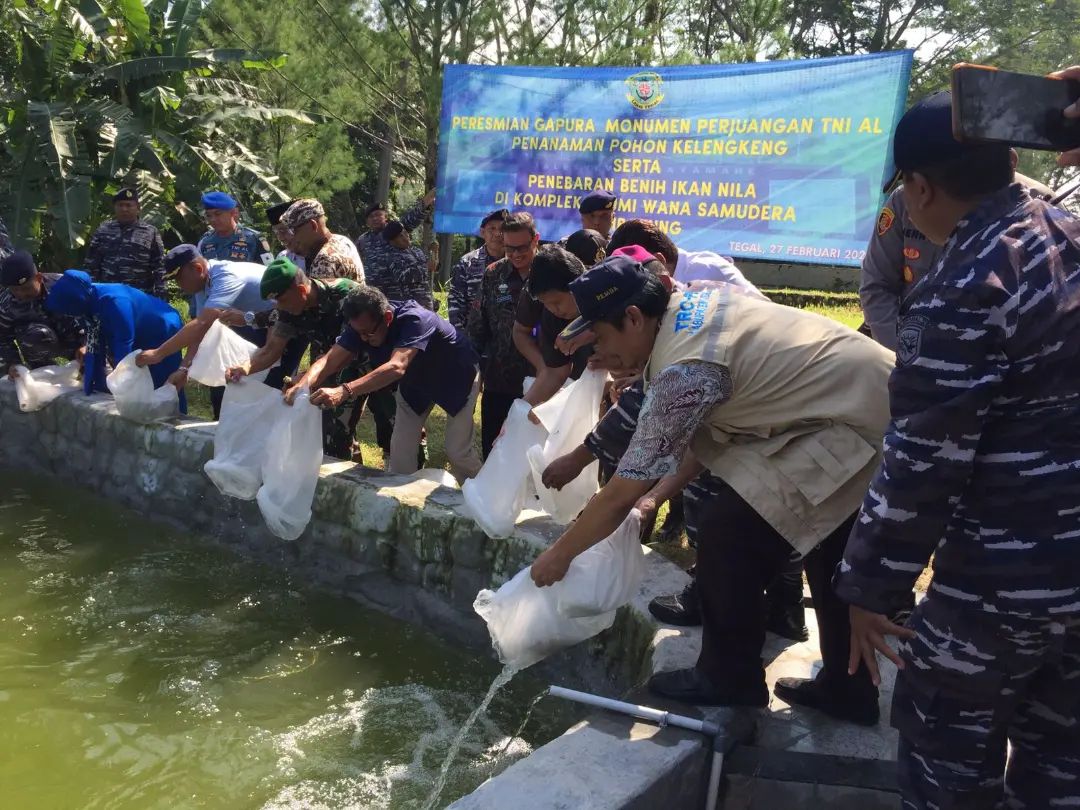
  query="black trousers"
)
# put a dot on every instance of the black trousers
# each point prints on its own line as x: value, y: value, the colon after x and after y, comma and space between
x: 739, y: 555
x: 494, y: 407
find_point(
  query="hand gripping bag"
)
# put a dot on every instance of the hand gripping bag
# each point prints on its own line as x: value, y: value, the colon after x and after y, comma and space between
x: 136, y: 398
x: 290, y: 469
x: 496, y: 496
x: 568, y: 417
x: 240, y: 439
x: 221, y: 348
x: 36, y: 389
x: 528, y: 623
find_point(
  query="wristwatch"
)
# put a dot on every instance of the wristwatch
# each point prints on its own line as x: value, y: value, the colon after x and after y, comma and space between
x: 249, y: 318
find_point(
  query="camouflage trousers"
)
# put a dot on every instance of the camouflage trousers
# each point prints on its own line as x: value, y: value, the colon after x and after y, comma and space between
x: 988, y: 710
x: 339, y: 424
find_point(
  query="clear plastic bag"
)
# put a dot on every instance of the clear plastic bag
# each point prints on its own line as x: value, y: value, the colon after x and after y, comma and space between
x: 496, y: 496
x: 528, y: 623
x: 136, y: 398
x: 36, y: 389
x: 290, y: 469
x: 221, y: 348
x: 568, y: 417
x: 240, y: 439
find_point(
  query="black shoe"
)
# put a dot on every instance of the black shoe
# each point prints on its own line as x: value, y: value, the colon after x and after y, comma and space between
x: 814, y: 694
x: 691, y: 686
x: 790, y: 624
x: 681, y: 609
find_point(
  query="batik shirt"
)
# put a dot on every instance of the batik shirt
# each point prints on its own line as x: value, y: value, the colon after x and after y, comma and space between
x: 405, y: 277
x: 465, y: 281
x: 982, y: 458
x: 677, y: 401
x: 128, y: 254
x: 336, y: 258
x: 376, y: 251
x: 243, y: 245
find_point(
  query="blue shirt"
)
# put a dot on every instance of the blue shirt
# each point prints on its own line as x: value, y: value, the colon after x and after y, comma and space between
x: 233, y: 285
x: 242, y: 245
x: 981, y: 462
x: 444, y: 368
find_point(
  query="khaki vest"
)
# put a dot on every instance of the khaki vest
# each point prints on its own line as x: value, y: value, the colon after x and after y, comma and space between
x: 801, y: 435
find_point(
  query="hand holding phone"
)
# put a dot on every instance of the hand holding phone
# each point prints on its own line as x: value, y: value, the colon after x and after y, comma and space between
x: 998, y: 106
x: 1071, y: 158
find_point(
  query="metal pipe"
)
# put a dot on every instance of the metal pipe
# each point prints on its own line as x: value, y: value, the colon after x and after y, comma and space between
x: 658, y: 716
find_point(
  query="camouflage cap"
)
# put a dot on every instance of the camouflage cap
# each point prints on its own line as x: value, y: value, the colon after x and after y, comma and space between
x: 278, y: 277
x: 302, y: 211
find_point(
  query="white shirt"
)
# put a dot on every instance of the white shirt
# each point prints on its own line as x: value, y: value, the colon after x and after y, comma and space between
x: 233, y: 285
x: 704, y: 265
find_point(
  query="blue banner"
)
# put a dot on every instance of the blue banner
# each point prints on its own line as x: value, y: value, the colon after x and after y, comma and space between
x: 778, y: 161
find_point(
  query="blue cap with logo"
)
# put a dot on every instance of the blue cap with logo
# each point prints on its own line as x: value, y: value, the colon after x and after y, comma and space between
x: 219, y: 200
x: 16, y: 269
x: 179, y: 256
x: 924, y: 137
x: 597, y: 200
x: 603, y: 290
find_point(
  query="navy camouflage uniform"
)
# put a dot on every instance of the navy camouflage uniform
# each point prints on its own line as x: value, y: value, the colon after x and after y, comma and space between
x: 32, y: 336
x: 128, y: 254
x: 404, y: 276
x: 321, y: 325
x: 982, y: 469
x: 243, y: 245
x: 377, y: 252
x: 464, y: 295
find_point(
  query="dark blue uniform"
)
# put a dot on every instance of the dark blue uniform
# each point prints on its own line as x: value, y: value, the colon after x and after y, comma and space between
x: 982, y: 470
x: 119, y: 319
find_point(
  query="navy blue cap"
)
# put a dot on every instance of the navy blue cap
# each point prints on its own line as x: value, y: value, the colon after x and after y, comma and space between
x: 597, y: 200
x: 16, y: 269
x: 179, y: 256
x: 219, y: 200
x: 392, y: 229
x: 126, y: 195
x: 924, y: 137
x: 604, y: 289
x: 498, y: 215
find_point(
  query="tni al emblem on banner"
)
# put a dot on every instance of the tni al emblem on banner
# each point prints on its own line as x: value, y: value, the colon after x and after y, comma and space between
x: 644, y: 90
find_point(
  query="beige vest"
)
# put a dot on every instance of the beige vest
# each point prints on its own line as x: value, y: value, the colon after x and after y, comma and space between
x: 801, y: 436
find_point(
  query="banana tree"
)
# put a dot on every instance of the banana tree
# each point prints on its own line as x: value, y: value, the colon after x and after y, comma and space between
x: 96, y: 94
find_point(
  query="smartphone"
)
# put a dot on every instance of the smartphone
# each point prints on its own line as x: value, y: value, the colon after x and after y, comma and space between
x: 996, y: 106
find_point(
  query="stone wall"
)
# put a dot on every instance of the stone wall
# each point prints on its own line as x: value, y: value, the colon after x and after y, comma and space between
x: 393, y: 542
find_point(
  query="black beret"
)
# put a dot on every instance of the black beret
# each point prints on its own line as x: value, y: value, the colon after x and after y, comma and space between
x: 126, y: 195
x: 499, y: 215
x: 597, y: 200
x: 391, y: 229
x: 371, y: 209
x: 275, y: 212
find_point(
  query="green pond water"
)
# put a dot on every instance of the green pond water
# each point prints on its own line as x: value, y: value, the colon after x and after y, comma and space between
x: 140, y: 668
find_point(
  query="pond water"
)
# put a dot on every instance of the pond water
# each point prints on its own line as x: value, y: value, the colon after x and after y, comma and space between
x: 140, y: 668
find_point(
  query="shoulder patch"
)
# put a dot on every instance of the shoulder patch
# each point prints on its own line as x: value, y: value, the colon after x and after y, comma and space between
x: 909, y: 339
x: 885, y: 221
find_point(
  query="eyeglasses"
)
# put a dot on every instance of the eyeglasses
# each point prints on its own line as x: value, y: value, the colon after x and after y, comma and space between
x: 511, y: 249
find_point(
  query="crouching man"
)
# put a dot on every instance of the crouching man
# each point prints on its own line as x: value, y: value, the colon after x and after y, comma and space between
x: 785, y: 410
x: 431, y: 361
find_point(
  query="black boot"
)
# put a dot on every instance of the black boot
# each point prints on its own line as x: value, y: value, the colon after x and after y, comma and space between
x: 681, y: 609
x: 692, y: 686
x: 837, y: 702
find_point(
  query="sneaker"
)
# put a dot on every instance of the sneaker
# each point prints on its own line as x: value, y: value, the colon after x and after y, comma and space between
x: 812, y: 693
x: 681, y: 609
x: 789, y: 624
x: 692, y: 686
